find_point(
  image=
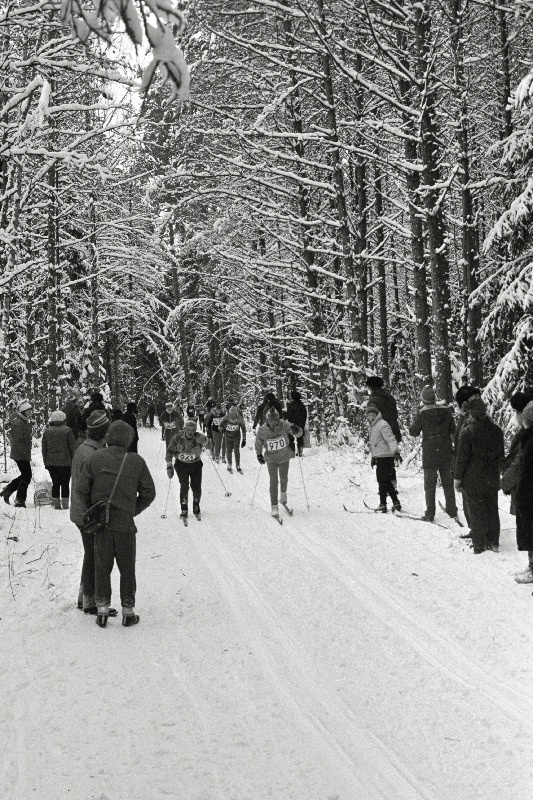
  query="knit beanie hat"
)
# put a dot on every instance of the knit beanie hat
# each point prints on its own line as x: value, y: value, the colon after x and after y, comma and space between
x: 120, y: 434
x: 57, y: 416
x: 272, y: 413
x: 233, y: 413
x: 24, y: 405
x: 476, y: 407
x: 371, y: 409
x: 97, y: 423
x: 428, y: 395
x: 527, y: 415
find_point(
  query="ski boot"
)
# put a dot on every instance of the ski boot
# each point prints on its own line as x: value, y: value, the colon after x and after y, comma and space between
x: 397, y: 506
x: 184, y: 514
x: 382, y: 508
x: 130, y: 619
x: 196, y: 510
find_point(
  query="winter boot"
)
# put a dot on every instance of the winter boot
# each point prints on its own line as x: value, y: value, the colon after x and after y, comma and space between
x: 396, y: 506
x: 184, y: 511
x: 101, y: 620
x: 195, y: 506
x: 426, y: 518
x: 56, y: 503
x: 130, y: 619
x: 525, y: 577
x: 64, y: 502
x: 274, y: 512
x: 381, y: 508
x: 19, y: 503
x: 6, y: 495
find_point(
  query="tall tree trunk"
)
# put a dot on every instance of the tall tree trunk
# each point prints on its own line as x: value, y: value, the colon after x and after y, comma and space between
x: 181, y: 324
x: 382, y: 285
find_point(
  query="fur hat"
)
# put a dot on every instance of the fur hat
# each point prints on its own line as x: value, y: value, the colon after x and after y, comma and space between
x: 374, y: 382
x: 24, y: 405
x: 370, y: 408
x: 464, y: 393
x: 97, y: 423
x: 272, y: 413
x: 120, y: 434
x: 476, y: 407
x: 97, y: 397
x: 527, y: 415
x: 57, y: 416
x: 428, y: 395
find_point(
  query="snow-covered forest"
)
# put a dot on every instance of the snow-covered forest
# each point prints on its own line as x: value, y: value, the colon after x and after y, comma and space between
x: 299, y: 194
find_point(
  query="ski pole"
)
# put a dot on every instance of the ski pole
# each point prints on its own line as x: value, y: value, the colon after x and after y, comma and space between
x: 257, y: 481
x: 164, y: 514
x: 303, y: 482
x: 228, y: 494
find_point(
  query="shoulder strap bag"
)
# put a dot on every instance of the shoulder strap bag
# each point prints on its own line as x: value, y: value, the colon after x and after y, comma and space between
x: 96, y: 518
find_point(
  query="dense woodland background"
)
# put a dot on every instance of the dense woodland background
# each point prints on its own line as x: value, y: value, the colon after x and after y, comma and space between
x: 348, y: 190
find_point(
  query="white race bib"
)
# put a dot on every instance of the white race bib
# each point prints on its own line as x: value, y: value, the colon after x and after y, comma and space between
x: 186, y: 457
x: 275, y: 444
x: 170, y: 425
x: 232, y: 428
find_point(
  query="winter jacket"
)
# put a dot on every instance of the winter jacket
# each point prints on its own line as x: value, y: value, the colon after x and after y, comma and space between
x: 171, y: 422
x: 386, y: 404
x: 213, y: 420
x: 131, y: 419
x: 512, y: 466
x: 232, y: 427
x: 190, y: 411
x: 135, y: 489
x: 58, y: 445
x: 277, y: 441
x: 479, y: 456
x: 184, y: 449
x: 437, y: 426
x: 524, y: 494
x: 20, y: 437
x: 73, y: 415
x: 383, y: 443
x: 268, y: 402
x: 297, y: 413
x: 83, y: 452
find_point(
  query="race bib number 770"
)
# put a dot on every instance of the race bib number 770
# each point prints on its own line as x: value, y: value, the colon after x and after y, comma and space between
x: 275, y: 444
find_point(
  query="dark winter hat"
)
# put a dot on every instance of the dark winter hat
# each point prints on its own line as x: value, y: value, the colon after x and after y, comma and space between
x: 131, y: 407
x: 476, y: 407
x: 371, y: 409
x: 464, y: 393
x: 296, y: 395
x: 272, y: 413
x: 120, y: 434
x: 97, y: 397
x: 428, y: 395
x: 97, y: 423
x: 527, y: 415
x: 374, y: 382
x: 519, y: 400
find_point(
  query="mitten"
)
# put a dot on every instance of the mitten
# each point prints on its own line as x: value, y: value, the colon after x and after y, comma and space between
x: 261, y: 459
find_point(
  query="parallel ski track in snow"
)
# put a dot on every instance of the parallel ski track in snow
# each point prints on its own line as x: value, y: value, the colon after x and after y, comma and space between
x: 434, y: 648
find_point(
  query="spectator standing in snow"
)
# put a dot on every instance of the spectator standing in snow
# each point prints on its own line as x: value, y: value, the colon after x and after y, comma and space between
x: 20, y: 439
x: 72, y: 413
x: 186, y: 448
x: 231, y: 426
x: 274, y: 445
x: 463, y: 394
x: 384, y: 451
x: 171, y: 422
x: 477, y: 474
x: 297, y: 415
x: 130, y: 416
x: 270, y: 401
x: 437, y: 426
x: 133, y: 493
x: 143, y: 411
x: 213, y: 419
x: 151, y: 413
x: 97, y: 427
x: 202, y: 411
x: 512, y: 461
x: 58, y: 446
x: 524, y: 495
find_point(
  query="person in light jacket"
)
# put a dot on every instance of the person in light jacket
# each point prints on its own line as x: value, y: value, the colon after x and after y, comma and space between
x: 58, y: 447
x: 274, y: 445
x: 384, y: 451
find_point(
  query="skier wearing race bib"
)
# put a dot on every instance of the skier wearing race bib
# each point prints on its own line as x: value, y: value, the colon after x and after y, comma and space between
x: 186, y: 447
x: 171, y: 422
x: 276, y: 439
x: 212, y: 421
x: 231, y: 426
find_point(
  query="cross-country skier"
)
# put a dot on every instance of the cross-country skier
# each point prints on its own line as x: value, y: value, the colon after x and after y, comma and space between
x: 171, y: 422
x: 213, y: 419
x: 186, y: 448
x: 384, y: 450
x: 231, y: 426
x: 274, y: 445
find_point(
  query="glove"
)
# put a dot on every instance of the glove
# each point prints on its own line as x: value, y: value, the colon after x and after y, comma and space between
x: 373, y: 462
x: 261, y: 459
x: 243, y: 443
x: 170, y: 472
x: 458, y: 485
x: 398, y: 459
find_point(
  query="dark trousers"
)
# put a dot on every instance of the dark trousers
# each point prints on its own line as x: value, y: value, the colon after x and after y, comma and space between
x: 300, y: 444
x: 430, y: 488
x: 201, y: 422
x: 189, y: 472
x: 87, y: 570
x: 217, y: 443
x: 484, y: 518
x: 232, y: 446
x: 111, y: 545
x: 60, y: 481
x: 384, y: 475
x: 21, y: 482
x: 151, y: 415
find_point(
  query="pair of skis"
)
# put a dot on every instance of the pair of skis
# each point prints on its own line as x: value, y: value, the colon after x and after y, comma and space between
x: 400, y: 514
x: 290, y: 512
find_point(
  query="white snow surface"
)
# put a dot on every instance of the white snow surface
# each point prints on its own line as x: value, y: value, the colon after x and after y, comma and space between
x: 337, y: 657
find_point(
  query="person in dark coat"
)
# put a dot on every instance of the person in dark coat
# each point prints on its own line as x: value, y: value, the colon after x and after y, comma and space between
x: 512, y: 461
x: 297, y: 415
x: 477, y: 474
x: 130, y: 416
x: 96, y: 404
x: 58, y: 447
x: 437, y: 426
x: 270, y: 401
x: 463, y: 394
x: 151, y: 413
x: 135, y: 491
x: 72, y: 413
x: 524, y: 495
x: 20, y: 438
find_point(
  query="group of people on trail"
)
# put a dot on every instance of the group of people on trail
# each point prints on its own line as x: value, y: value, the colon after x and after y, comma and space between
x: 467, y: 453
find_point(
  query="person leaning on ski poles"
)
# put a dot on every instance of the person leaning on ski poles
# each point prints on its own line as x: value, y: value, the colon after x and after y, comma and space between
x: 186, y: 446
x: 276, y: 438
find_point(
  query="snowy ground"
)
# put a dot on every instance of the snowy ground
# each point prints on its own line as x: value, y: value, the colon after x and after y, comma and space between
x: 336, y: 657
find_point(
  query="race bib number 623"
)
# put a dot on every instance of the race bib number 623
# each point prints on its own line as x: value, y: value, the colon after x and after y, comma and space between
x: 275, y: 444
